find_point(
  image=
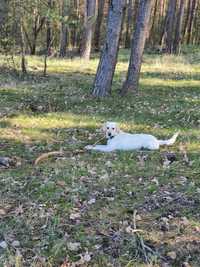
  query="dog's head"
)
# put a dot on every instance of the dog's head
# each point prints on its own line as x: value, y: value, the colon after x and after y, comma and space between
x: 110, y: 129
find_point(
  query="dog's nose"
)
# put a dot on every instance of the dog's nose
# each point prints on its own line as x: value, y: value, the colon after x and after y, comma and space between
x: 109, y: 134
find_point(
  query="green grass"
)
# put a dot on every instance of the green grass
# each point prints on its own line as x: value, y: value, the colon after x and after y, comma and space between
x: 81, y: 203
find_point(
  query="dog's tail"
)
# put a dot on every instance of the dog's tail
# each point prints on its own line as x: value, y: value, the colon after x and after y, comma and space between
x: 170, y: 141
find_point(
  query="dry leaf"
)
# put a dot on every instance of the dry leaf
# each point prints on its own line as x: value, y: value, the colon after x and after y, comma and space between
x: 75, y: 215
x: 74, y: 246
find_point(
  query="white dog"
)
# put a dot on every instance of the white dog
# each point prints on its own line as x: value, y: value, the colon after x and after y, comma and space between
x: 118, y: 140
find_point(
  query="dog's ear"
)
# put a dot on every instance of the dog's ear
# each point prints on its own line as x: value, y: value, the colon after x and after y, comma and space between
x: 118, y: 129
x: 103, y: 128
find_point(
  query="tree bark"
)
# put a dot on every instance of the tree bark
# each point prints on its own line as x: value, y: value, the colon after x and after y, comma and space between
x: 179, y: 25
x: 137, y: 48
x: 76, y: 31
x: 191, y: 20
x: 97, y: 32
x: 108, y: 59
x: 63, y: 30
x: 22, y: 43
x: 128, y: 24
x: 195, y: 36
x: 3, y: 11
x: 169, y: 26
x: 49, y: 30
x: 187, y: 17
x: 37, y: 27
x: 89, y: 20
x: 153, y: 30
x: 123, y: 27
x: 161, y: 21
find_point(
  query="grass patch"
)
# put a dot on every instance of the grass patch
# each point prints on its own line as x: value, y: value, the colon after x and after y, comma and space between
x: 80, y: 207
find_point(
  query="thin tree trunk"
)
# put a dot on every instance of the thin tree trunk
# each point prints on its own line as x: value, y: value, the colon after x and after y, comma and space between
x: 169, y: 26
x: 76, y: 36
x: 152, y: 30
x: 137, y: 48
x: 34, y: 40
x: 63, y: 40
x: 46, y: 56
x: 48, y: 24
x: 3, y: 11
x: 128, y: 24
x: 196, y: 25
x: 179, y: 24
x: 38, y: 24
x: 33, y: 47
x: 97, y: 32
x: 108, y: 59
x: 63, y: 30
x: 162, y: 8
x: 191, y: 20
x: 162, y: 22
x: 22, y: 41
x: 90, y: 17
x: 123, y: 27
x: 187, y: 17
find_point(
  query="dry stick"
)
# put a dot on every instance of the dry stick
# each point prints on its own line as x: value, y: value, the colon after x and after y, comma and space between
x: 47, y: 155
x: 134, y: 219
x: 58, y: 153
x: 144, y: 247
x: 98, y: 141
x: 55, y: 153
x: 138, y: 236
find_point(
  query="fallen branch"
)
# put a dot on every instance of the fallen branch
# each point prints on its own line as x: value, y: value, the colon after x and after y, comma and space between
x: 144, y: 250
x: 46, y: 155
x: 98, y: 141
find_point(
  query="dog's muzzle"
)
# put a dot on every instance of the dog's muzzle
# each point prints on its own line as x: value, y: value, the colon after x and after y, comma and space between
x: 110, y: 136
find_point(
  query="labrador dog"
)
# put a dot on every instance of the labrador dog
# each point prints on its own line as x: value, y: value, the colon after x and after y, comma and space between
x: 119, y: 140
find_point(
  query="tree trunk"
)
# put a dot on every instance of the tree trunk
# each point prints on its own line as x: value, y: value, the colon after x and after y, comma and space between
x: 89, y: 20
x: 169, y: 26
x: 48, y: 24
x: 108, y: 59
x: 187, y: 17
x: 33, y: 47
x: 191, y: 20
x: 123, y: 27
x: 63, y: 40
x: 161, y: 21
x: 3, y: 11
x: 34, y: 40
x: 22, y: 42
x: 128, y: 24
x: 196, y: 26
x: 153, y: 30
x: 97, y: 32
x: 63, y: 30
x: 137, y: 48
x: 37, y: 27
x: 76, y: 28
x: 179, y: 24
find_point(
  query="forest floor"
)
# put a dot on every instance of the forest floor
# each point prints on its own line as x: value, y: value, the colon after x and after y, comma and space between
x: 95, y: 209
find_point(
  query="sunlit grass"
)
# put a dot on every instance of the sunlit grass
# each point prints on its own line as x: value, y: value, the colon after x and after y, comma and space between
x: 52, y: 121
x: 42, y: 114
x: 179, y: 84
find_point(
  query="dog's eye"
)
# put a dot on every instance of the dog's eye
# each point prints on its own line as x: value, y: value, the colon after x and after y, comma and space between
x: 113, y: 128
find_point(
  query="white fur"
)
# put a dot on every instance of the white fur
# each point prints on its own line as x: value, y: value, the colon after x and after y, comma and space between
x: 118, y: 140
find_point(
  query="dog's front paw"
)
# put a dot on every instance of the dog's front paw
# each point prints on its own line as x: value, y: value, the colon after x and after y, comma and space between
x: 89, y: 147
